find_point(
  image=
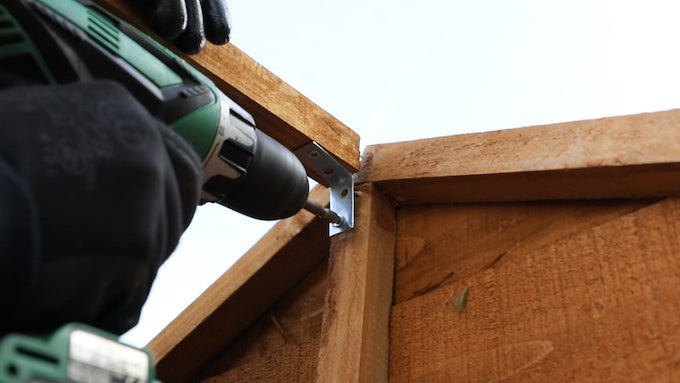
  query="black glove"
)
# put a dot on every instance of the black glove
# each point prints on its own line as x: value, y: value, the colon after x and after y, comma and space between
x: 95, y: 195
x: 189, y: 22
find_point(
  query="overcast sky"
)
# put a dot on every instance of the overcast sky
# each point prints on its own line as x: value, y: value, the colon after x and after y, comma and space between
x: 397, y: 70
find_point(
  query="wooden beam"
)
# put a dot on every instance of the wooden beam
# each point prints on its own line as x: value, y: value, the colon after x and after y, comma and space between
x: 620, y: 157
x: 282, y: 258
x: 279, y: 110
x: 354, y: 332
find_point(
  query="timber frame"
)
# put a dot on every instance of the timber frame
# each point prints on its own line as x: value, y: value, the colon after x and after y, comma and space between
x: 592, y: 179
x: 566, y: 237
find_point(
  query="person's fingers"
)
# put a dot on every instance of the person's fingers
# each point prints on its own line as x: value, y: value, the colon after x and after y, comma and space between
x: 168, y: 17
x: 192, y: 39
x: 216, y: 20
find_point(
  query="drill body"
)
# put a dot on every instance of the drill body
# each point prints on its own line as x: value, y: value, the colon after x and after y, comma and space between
x: 63, y: 41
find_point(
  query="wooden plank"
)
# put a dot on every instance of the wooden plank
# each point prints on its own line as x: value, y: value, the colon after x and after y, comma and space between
x: 599, y: 305
x: 442, y: 244
x: 283, y: 344
x: 354, y: 338
x: 279, y: 110
x: 283, y: 257
x: 620, y: 157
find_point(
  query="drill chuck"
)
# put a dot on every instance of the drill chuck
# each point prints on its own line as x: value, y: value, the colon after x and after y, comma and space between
x: 249, y: 172
x: 274, y: 186
x: 277, y: 185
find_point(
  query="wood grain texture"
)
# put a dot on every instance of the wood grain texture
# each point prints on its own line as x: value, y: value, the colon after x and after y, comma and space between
x: 283, y: 344
x: 279, y: 110
x: 442, y: 244
x: 619, y: 157
x: 354, y: 338
x: 283, y: 257
x: 599, y: 305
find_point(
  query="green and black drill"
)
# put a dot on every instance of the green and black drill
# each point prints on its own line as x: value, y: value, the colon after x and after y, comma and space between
x: 63, y: 41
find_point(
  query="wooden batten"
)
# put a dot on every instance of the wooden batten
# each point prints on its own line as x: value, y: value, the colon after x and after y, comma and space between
x: 620, y: 157
x: 354, y: 338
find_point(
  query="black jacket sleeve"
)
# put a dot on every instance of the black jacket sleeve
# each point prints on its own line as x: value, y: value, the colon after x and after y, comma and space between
x: 19, y: 238
x: 95, y: 195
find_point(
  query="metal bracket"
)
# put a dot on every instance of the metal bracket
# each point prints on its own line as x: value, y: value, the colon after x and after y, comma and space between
x: 313, y: 156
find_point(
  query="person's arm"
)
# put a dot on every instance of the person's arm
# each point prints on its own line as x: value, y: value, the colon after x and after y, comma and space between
x: 102, y: 189
x: 19, y: 237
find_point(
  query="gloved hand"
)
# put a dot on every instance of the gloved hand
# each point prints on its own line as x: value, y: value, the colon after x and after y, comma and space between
x: 189, y: 22
x: 98, y: 193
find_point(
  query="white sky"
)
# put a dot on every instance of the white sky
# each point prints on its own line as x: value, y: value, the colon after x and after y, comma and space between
x: 397, y: 70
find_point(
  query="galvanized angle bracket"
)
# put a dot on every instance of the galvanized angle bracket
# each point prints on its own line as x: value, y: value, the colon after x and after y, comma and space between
x: 313, y: 156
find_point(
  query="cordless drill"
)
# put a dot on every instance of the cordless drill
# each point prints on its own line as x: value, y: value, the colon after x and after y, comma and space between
x: 62, y: 41
x: 65, y: 41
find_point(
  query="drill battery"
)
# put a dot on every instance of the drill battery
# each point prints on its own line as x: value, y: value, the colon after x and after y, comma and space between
x: 75, y: 353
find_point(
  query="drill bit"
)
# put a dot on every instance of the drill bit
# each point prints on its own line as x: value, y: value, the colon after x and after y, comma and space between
x: 326, y: 214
